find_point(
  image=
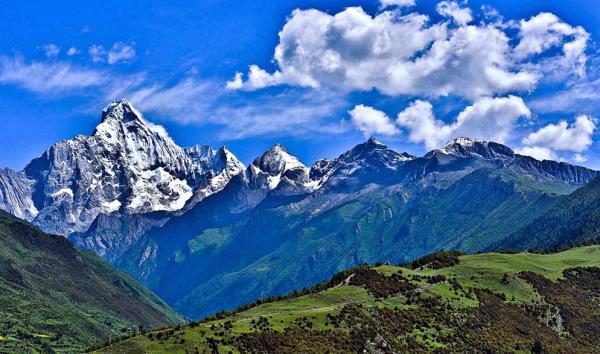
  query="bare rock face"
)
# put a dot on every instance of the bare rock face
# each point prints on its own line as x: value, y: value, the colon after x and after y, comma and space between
x: 111, y: 235
x: 15, y: 194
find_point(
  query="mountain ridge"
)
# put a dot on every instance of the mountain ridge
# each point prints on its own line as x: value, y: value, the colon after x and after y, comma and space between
x: 372, y: 202
x: 175, y: 178
x: 574, y: 220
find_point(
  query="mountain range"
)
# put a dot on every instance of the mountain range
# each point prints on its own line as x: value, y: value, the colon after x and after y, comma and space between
x: 207, y: 233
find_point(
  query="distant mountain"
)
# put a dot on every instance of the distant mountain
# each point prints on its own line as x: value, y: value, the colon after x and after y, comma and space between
x: 282, y: 226
x: 485, y: 303
x: 128, y: 166
x: 573, y: 220
x: 55, y: 297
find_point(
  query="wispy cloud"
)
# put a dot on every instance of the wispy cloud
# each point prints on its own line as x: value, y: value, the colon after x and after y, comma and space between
x: 51, y: 50
x: 293, y: 112
x: 580, y: 97
x: 399, y: 3
x: 72, y: 51
x: 187, y: 101
x: 47, y: 78
x: 241, y: 115
x: 119, y: 52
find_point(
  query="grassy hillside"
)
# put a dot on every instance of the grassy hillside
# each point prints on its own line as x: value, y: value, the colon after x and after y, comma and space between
x: 57, y: 299
x: 503, y: 303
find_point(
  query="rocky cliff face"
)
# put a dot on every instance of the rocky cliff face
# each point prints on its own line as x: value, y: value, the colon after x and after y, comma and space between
x: 127, y: 164
x: 218, y: 166
x: 15, y: 194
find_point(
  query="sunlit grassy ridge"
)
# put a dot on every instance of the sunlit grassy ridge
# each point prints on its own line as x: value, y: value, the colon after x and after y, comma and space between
x: 447, y: 309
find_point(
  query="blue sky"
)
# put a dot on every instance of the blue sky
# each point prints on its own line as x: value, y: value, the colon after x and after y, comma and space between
x: 384, y: 71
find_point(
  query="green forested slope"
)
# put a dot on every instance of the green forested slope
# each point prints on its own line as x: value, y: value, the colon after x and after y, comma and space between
x: 573, y: 220
x: 57, y: 298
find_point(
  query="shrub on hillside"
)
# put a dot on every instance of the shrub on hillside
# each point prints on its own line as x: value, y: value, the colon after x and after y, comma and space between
x: 437, y: 260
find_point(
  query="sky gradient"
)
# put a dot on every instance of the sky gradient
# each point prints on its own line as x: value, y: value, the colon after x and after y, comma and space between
x: 412, y: 75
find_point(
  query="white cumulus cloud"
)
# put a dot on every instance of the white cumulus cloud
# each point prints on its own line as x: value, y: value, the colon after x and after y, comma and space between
x: 371, y: 121
x: 575, y: 137
x: 537, y: 152
x: 462, y: 15
x: 545, y: 31
x: 422, y: 126
x: 237, y: 82
x: 491, y: 119
x: 408, y: 54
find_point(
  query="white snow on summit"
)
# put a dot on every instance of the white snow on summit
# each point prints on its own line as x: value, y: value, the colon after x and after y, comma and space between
x: 127, y: 164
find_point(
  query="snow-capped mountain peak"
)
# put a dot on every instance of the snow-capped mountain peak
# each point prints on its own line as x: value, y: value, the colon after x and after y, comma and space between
x: 277, y: 160
x: 464, y: 141
x: 374, y: 152
x: 274, y: 166
x: 121, y: 110
x: 373, y: 141
x: 128, y: 164
x: 228, y: 161
x: 201, y: 155
x: 468, y: 147
x: 120, y: 119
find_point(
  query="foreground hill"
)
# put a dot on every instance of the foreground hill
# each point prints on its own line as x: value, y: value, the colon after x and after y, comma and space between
x: 500, y: 303
x: 56, y: 298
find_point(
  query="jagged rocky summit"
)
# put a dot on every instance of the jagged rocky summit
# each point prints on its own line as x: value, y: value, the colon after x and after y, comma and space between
x: 127, y: 166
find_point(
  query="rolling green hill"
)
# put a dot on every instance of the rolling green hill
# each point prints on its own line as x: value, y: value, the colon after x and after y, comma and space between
x: 56, y: 298
x: 501, y: 303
